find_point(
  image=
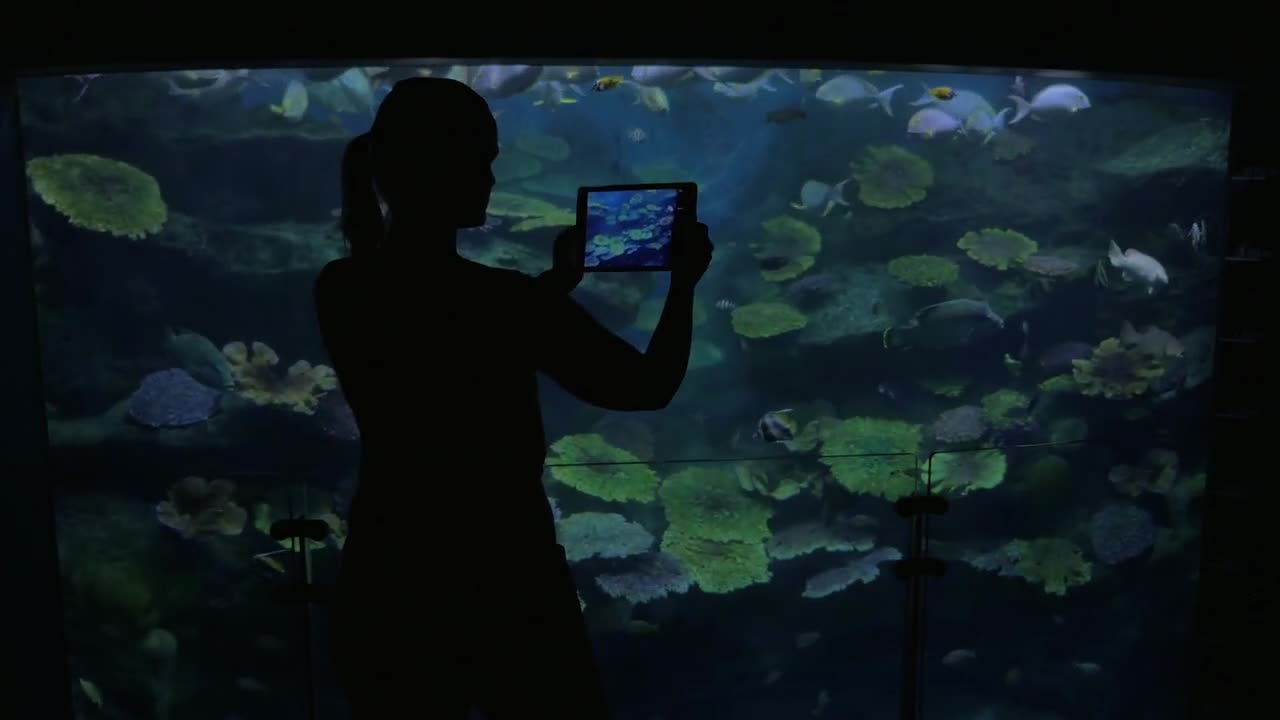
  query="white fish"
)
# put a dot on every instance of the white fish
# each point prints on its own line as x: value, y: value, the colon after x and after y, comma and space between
x: 815, y: 194
x: 747, y: 90
x: 660, y: 75
x: 1058, y: 97
x: 1018, y: 86
x: 1197, y: 235
x: 845, y: 88
x: 986, y: 124
x: 927, y: 122
x: 293, y: 106
x: 1137, y: 264
x: 959, y: 657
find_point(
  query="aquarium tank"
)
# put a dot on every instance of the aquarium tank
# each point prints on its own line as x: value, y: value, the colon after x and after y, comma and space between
x: 998, y: 288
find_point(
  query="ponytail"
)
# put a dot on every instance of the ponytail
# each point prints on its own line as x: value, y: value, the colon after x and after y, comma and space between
x: 362, y: 224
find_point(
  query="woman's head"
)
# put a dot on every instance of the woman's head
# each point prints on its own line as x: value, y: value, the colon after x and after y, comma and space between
x: 428, y: 154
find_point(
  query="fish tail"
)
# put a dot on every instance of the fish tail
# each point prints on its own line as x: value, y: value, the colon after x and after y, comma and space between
x: 783, y: 74
x: 1023, y: 109
x: 999, y: 119
x: 885, y: 338
x: 1114, y: 254
x: 277, y: 109
x: 885, y: 96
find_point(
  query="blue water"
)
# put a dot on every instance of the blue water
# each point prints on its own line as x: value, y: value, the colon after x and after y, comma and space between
x: 771, y: 615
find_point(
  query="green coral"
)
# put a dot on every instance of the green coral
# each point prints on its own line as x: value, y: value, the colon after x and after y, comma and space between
x: 100, y: 194
x: 1004, y: 408
x: 626, y: 480
x: 997, y: 248
x: 708, y: 503
x: 546, y: 147
x: 962, y: 472
x: 924, y: 270
x: 1063, y: 383
x: 1115, y: 371
x: 787, y: 239
x: 515, y: 165
x: 718, y: 567
x: 766, y: 319
x: 1055, y: 563
x: 889, y: 176
x: 878, y: 472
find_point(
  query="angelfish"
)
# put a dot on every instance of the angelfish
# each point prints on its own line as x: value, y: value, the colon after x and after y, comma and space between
x: 776, y: 426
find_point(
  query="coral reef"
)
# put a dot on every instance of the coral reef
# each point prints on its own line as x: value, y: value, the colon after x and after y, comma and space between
x: 960, y: 424
x: 1005, y: 408
x: 803, y: 538
x: 890, y: 176
x: 718, y: 567
x: 767, y: 319
x: 100, y: 194
x: 605, y: 535
x: 299, y: 389
x: 1114, y: 371
x: 197, y: 506
x: 1054, y: 563
x: 887, y: 466
x: 790, y: 245
x: 172, y: 398
x: 656, y: 576
x: 707, y: 503
x: 996, y: 248
x: 964, y: 471
x: 924, y: 270
x: 1121, y: 532
x: 1200, y: 145
x: 631, y: 481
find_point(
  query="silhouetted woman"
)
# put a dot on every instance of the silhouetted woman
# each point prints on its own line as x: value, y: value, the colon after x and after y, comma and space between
x: 453, y: 592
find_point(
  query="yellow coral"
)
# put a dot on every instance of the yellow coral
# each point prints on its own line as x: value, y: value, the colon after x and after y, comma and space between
x: 300, y: 389
x: 890, y: 176
x: 924, y: 270
x: 100, y: 194
x: 766, y: 319
x: 997, y: 248
x: 791, y: 244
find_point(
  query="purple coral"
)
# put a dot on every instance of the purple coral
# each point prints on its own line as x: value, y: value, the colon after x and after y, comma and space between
x: 1121, y: 532
x: 961, y: 424
x: 172, y: 398
x: 336, y: 418
x: 657, y: 576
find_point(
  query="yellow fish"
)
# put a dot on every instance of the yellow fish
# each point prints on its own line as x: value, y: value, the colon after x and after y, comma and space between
x: 942, y: 92
x: 608, y: 82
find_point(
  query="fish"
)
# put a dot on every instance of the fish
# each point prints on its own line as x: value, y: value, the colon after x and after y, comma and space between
x: 1197, y: 235
x: 846, y: 88
x: 636, y: 135
x: 776, y: 426
x: 553, y: 94
x: 746, y: 90
x: 815, y: 194
x: 725, y: 304
x: 986, y: 124
x: 1057, y: 98
x: 293, y: 106
x: 948, y: 324
x: 1137, y: 264
x: 91, y: 691
x: 84, y: 84
x: 942, y: 92
x: 785, y: 115
x: 1152, y: 341
x: 959, y: 657
x: 660, y: 75
x: 1018, y: 86
x: 608, y: 82
x: 197, y: 355
x: 928, y: 122
x: 652, y: 98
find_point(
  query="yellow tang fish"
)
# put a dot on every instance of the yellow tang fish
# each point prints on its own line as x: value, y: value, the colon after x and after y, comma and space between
x: 942, y: 92
x: 608, y: 82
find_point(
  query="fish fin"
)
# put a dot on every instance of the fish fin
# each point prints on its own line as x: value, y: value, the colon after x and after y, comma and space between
x: 1022, y: 108
x: 568, y: 101
x: 797, y: 206
x: 1114, y: 254
x: 987, y: 139
x: 885, y: 96
x: 830, y: 204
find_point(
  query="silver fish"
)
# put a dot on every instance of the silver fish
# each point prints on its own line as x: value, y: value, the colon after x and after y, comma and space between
x: 1139, y: 265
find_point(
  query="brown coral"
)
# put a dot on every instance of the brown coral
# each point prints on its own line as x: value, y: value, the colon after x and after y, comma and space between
x: 200, y: 507
x: 299, y: 389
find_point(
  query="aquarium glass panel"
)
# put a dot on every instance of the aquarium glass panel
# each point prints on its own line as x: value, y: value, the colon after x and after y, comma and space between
x: 904, y: 261
x: 1071, y: 581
